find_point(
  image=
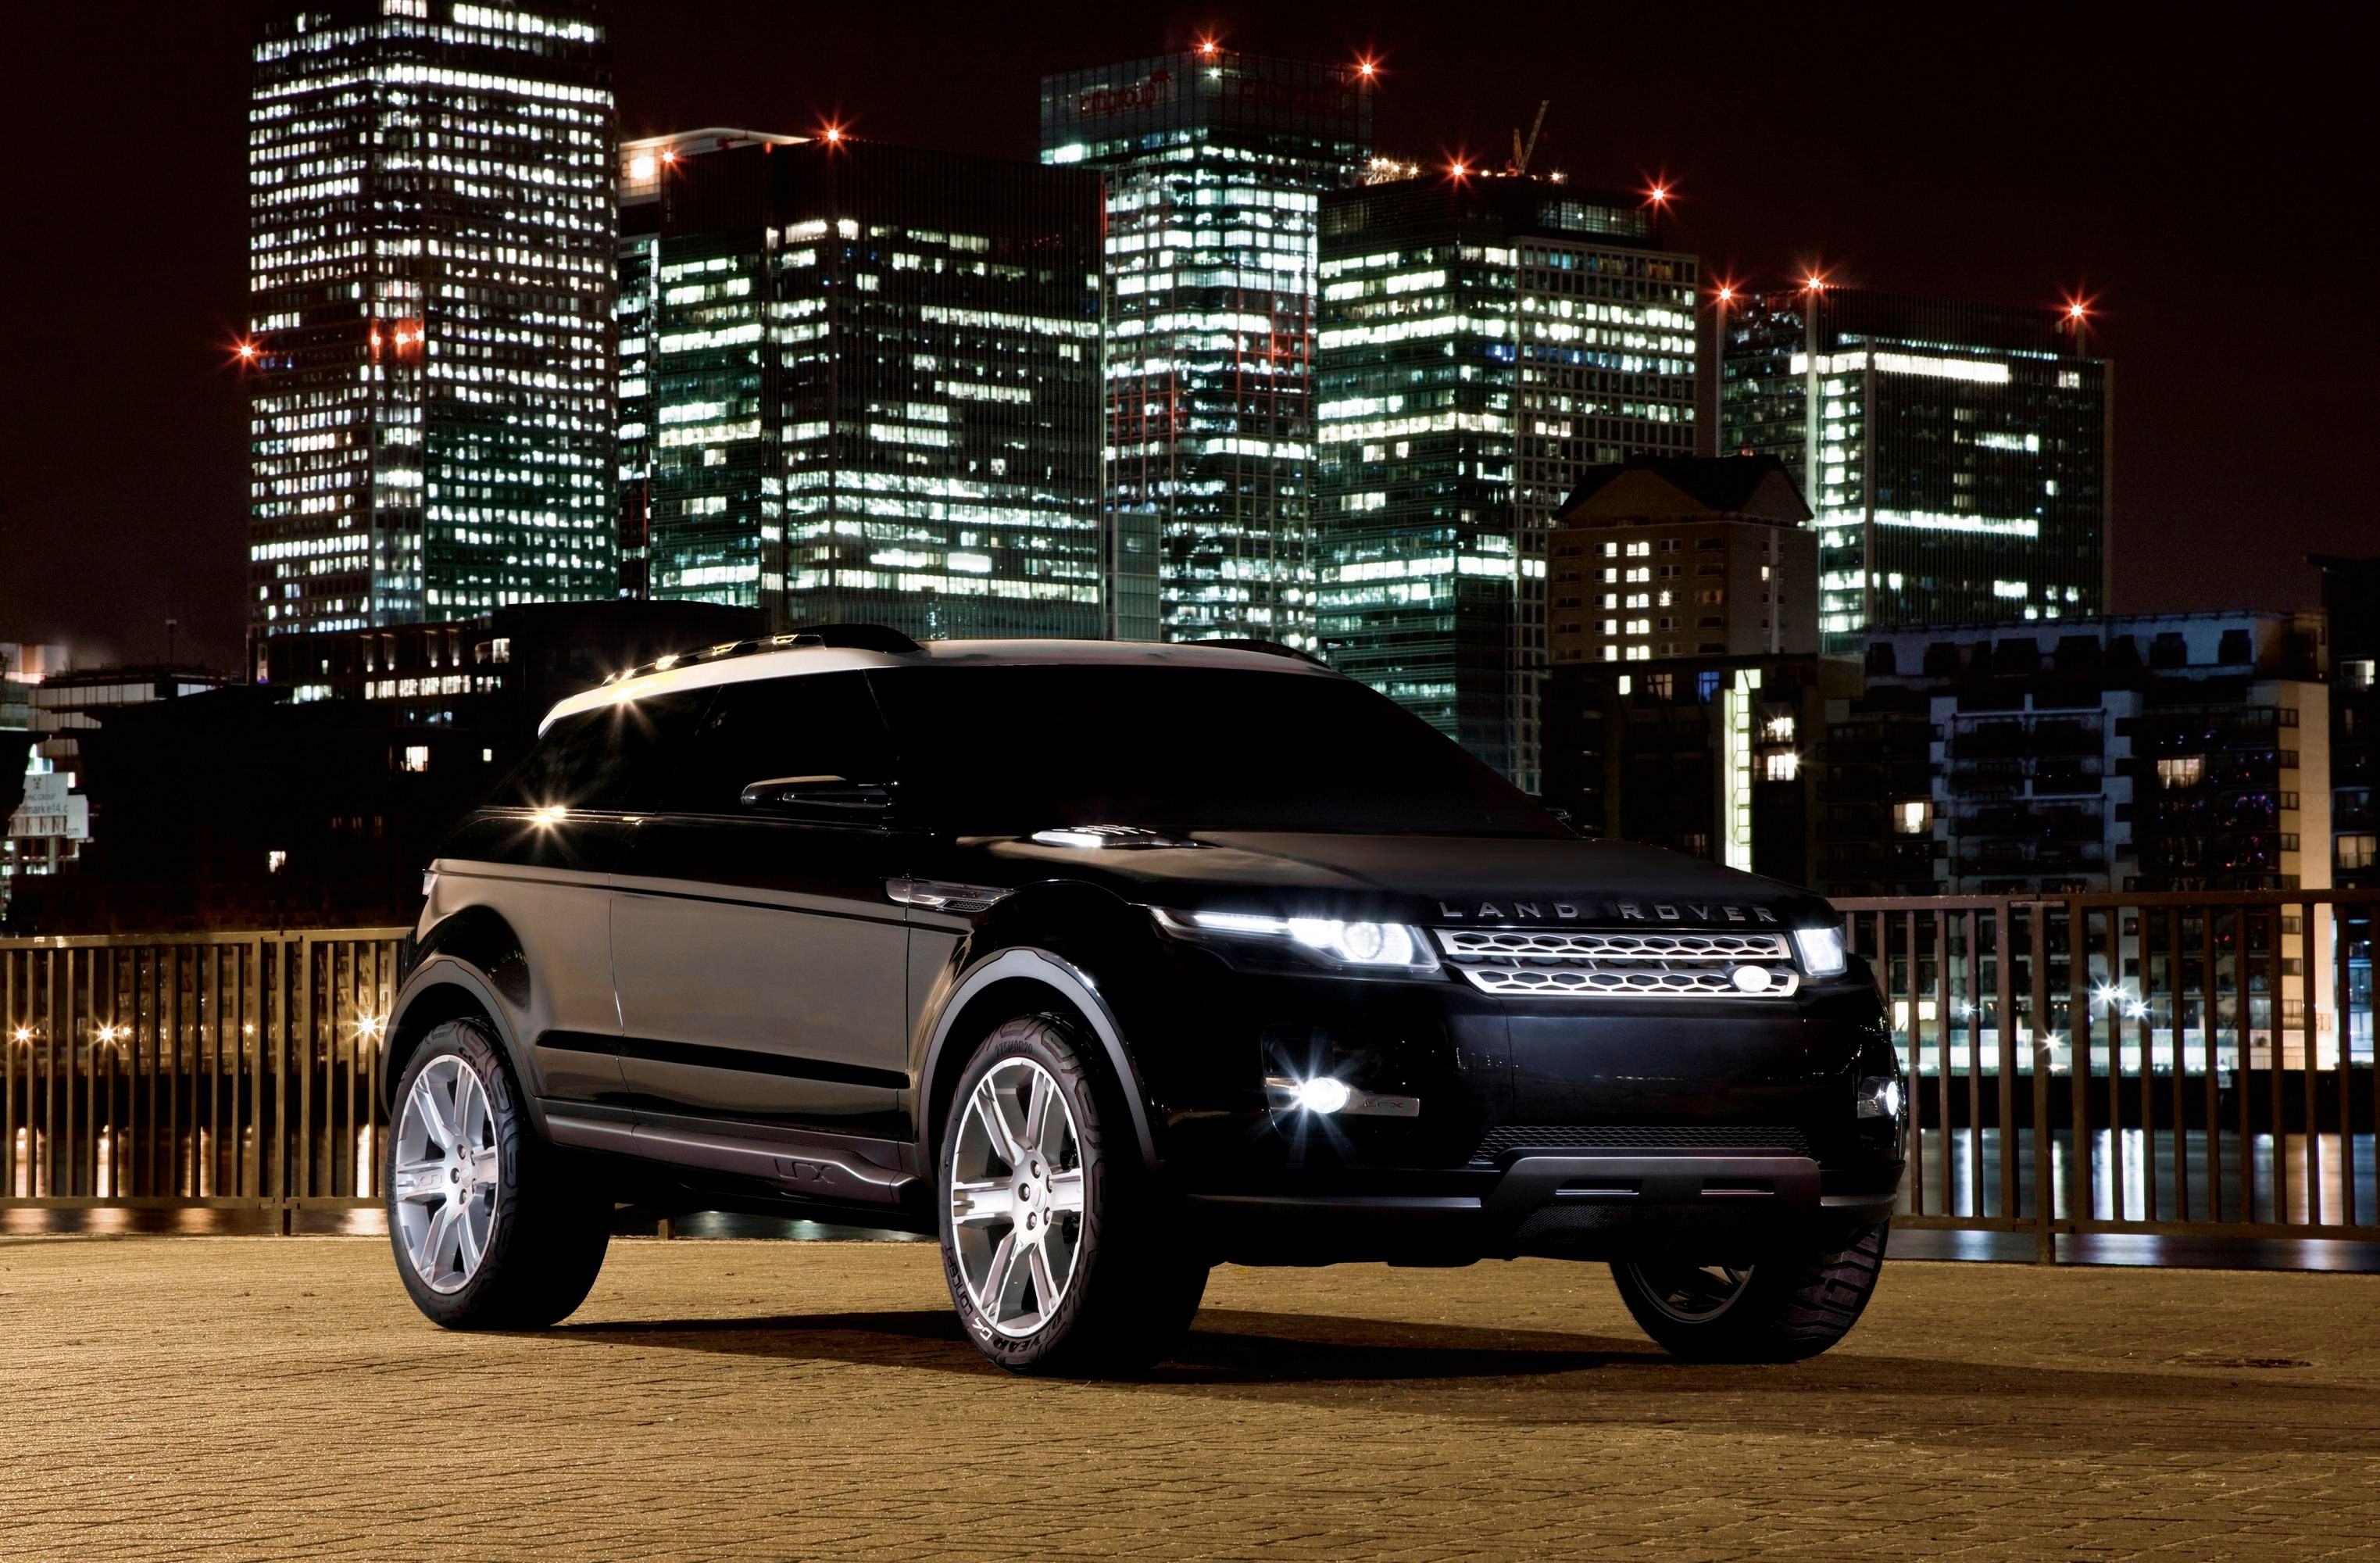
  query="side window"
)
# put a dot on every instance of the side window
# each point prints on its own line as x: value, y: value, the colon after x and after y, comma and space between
x: 811, y: 725
x: 608, y: 760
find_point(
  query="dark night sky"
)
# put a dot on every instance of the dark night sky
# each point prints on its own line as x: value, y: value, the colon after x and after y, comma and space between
x: 2211, y: 191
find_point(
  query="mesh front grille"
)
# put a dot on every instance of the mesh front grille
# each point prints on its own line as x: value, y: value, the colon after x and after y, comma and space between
x: 1505, y: 944
x: 1640, y: 1140
x: 1530, y: 963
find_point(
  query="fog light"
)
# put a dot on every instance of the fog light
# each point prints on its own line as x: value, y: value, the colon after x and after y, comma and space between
x: 1879, y: 1097
x: 1323, y: 1095
x: 1752, y: 979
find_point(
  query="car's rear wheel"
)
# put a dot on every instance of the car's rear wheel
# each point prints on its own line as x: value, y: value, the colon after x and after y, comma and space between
x: 1055, y: 1244
x: 492, y: 1230
x: 1791, y: 1304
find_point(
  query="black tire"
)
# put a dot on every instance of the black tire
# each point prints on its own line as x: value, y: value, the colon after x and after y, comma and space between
x: 1792, y: 1305
x: 551, y: 1226
x: 1134, y: 1288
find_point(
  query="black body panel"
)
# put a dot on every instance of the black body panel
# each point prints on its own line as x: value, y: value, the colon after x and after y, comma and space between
x: 751, y: 998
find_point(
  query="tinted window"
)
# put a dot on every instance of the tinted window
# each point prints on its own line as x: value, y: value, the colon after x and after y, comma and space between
x: 609, y: 759
x: 1009, y: 750
x: 818, y: 724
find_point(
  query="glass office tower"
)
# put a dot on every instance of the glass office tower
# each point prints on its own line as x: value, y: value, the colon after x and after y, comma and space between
x: 1482, y: 340
x: 637, y: 304
x: 1958, y: 466
x: 862, y: 382
x: 1216, y: 164
x: 429, y: 349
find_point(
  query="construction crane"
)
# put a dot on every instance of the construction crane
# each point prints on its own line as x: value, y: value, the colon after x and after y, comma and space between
x: 1521, y: 149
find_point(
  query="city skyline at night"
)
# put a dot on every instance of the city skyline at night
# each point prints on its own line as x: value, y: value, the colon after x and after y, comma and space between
x: 141, y: 401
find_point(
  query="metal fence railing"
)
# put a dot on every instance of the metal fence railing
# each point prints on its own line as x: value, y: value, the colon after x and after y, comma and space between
x: 228, y: 1070
x: 2177, y: 1065
x: 2196, y: 1064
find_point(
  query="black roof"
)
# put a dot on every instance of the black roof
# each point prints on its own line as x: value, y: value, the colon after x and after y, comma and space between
x: 1719, y: 482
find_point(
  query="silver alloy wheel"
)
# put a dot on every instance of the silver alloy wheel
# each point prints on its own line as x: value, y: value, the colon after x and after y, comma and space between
x: 1692, y: 1294
x: 1016, y: 1196
x: 444, y: 1174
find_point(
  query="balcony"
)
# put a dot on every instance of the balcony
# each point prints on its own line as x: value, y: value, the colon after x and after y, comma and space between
x: 2026, y: 737
x: 2058, y: 824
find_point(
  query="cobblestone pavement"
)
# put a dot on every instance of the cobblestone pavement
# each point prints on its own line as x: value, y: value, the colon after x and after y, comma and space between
x: 178, y: 1397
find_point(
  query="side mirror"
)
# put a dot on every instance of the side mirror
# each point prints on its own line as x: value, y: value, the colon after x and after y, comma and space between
x: 828, y: 799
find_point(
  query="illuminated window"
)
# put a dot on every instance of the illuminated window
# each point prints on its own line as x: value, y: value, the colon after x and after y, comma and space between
x: 276, y: 862
x: 2183, y: 770
x: 1914, y: 817
x: 417, y: 757
x: 1777, y: 729
x: 1781, y: 767
x: 2357, y: 852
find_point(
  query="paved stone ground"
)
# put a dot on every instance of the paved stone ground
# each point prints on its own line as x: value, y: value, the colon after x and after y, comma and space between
x: 180, y: 1396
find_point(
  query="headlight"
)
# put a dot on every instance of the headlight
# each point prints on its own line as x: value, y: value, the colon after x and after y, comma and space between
x: 1821, y: 950
x: 1385, y: 948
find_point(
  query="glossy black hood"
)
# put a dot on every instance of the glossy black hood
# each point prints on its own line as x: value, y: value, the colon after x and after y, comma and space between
x: 1433, y: 879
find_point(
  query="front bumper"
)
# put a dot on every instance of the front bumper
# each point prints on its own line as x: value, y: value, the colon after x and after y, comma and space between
x: 1579, y: 1127
x: 1708, y: 1207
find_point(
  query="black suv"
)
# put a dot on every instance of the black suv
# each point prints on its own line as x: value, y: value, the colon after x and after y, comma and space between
x: 1107, y: 963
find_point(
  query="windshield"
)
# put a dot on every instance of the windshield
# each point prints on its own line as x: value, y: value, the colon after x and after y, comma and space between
x: 997, y: 750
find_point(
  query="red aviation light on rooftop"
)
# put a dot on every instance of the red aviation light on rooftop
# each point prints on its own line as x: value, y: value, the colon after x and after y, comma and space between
x: 1659, y: 195
x: 831, y: 135
x: 1209, y: 48
x: 2078, y: 311
x: 1724, y: 293
x: 1815, y: 282
x: 1367, y: 67
x: 247, y: 352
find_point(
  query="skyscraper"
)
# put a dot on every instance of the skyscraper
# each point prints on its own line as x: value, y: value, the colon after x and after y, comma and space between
x: 1483, y: 341
x: 1216, y: 164
x: 430, y: 238
x: 638, y: 307
x: 1958, y: 464
x: 862, y: 382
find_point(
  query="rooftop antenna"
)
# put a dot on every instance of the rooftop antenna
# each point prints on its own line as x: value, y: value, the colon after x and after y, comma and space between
x: 1521, y: 149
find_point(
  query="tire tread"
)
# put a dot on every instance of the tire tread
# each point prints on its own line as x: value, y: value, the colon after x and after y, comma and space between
x: 1799, y: 1302
x: 554, y: 1231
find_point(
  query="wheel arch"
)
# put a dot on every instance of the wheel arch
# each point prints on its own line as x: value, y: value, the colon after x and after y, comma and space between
x: 443, y: 988
x: 1022, y: 980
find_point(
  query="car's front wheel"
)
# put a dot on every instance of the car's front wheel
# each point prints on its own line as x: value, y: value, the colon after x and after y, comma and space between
x: 492, y: 1230
x: 1054, y: 1239
x: 1794, y: 1303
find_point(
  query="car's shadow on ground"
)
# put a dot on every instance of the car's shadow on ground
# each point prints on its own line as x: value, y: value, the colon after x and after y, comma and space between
x: 1554, y: 1376
x: 1227, y: 1345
